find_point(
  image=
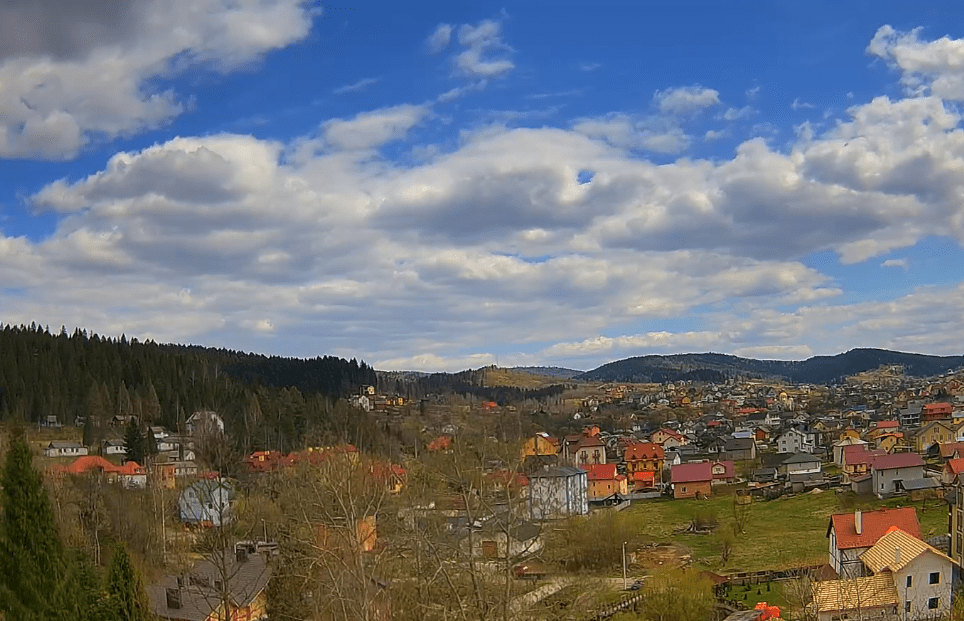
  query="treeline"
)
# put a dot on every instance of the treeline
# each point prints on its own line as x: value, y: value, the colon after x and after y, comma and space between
x: 471, y: 384
x: 80, y: 375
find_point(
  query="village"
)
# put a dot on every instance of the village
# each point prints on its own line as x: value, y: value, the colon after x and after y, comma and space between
x: 854, y: 490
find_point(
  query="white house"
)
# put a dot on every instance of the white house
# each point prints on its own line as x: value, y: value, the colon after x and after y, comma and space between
x: 890, y: 471
x: 795, y: 441
x: 497, y: 539
x: 113, y: 447
x: 65, y: 449
x: 558, y: 492
x: 204, y: 422
x: 361, y: 402
x: 852, y: 534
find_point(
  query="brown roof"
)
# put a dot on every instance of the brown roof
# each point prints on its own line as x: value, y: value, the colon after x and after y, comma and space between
x: 874, y: 526
x: 897, y: 460
x: 866, y: 592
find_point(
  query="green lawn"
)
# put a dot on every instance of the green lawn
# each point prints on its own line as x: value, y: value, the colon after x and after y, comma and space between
x: 780, y: 533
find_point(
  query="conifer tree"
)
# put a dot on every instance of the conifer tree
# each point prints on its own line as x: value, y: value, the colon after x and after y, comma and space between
x: 125, y: 598
x: 32, y: 564
x: 135, y: 442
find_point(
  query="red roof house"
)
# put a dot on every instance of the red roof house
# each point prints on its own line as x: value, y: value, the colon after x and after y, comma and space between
x: 851, y: 534
x: 692, y: 480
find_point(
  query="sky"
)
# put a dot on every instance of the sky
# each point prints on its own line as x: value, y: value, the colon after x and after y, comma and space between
x: 438, y: 186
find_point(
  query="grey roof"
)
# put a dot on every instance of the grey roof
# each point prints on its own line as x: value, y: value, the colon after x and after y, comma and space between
x: 801, y: 458
x: 739, y: 444
x: 557, y: 471
x: 199, y: 597
x: 918, y: 484
x: 61, y: 444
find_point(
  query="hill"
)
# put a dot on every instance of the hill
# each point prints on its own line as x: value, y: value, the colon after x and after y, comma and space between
x: 556, y: 372
x: 816, y: 370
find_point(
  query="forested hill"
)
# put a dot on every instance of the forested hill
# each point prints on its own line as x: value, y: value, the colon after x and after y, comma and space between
x: 266, y: 401
x: 816, y: 370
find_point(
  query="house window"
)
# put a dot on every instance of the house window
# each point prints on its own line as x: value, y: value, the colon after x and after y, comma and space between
x: 907, y: 606
x: 935, y: 577
x: 910, y: 582
x: 933, y: 603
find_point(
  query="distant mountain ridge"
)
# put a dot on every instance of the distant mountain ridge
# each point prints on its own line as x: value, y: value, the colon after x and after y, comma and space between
x: 815, y: 370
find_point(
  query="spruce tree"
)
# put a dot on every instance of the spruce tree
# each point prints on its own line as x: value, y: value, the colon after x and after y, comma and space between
x: 125, y: 598
x: 134, y: 440
x: 32, y: 564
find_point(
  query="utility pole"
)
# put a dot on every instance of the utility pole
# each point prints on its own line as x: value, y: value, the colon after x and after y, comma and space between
x: 625, y: 583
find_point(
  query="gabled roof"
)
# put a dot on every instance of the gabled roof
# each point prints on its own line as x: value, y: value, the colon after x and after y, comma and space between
x: 895, y: 550
x: 729, y: 470
x: 644, y: 450
x: 691, y: 473
x: 556, y: 472
x: 875, y: 591
x: 955, y: 466
x: 874, y: 525
x: 801, y: 458
x: 949, y: 448
x: 600, y: 472
x: 897, y: 460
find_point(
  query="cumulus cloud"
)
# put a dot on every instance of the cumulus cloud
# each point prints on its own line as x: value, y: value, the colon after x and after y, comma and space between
x: 686, y: 99
x: 327, y: 244
x: 440, y: 38
x: 486, y: 56
x: 924, y: 65
x: 72, y: 71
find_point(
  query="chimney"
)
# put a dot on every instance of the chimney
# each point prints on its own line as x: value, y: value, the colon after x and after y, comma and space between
x: 858, y: 522
x: 173, y: 599
x: 897, y: 555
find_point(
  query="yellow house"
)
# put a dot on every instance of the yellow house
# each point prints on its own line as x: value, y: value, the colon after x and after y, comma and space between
x: 934, y: 431
x: 539, y: 445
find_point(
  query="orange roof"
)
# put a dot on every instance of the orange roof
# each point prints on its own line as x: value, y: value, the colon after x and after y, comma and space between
x: 644, y: 450
x: 644, y: 476
x: 600, y: 472
x: 96, y: 462
x: 874, y: 526
x: 956, y: 466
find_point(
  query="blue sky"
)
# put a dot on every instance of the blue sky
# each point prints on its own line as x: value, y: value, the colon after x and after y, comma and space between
x: 447, y: 185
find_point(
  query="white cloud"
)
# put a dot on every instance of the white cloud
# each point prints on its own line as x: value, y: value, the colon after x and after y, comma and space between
x: 903, y: 263
x: 648, y: 133
x: 440, y: 38
x: 588, y: 66
x: 360, y: 85
x: 800, y: 105
x: 752, y: 93
x: 76, y: 80
x: 933, y: 66
x: 686, y: 99
x: 369, y: 130
x: 486, y: 56
x: 736, y: 114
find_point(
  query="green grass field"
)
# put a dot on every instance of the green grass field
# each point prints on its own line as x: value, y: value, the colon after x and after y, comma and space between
x: 781, y: 533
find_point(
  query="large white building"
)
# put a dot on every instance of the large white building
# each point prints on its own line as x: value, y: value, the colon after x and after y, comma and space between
x: 558, y: 492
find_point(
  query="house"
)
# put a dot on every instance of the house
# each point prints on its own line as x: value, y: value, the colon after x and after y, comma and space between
x: 889, y: 441
x: 921, y: 573
x: 130, y: 475
x: 590, y: 450
x: 204, y: 423
x: 857, y: 460
x: 796, y: 441
x: 198, y: 595
x: 936, y: 411
x: 952, y: 469
x: 800, y: 463
x: 841, y: 445
x: 875, y: 597
x: 723, y: 472
x: 667, y: 438
x: 207, y: 502
x: 692, y: 480
x: 852, y: 534
x: 644, y: 459
x: 891, y: 470
x: 539, y: 445
x: 604, y: 481
x: 113, y: 447
x: 558, y: 492
x: 169, y: 472
x: 740, y: 449
x: 65, y: 449
x: 932, y: 433
x: 951, y: 450
x: 498, y: 538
